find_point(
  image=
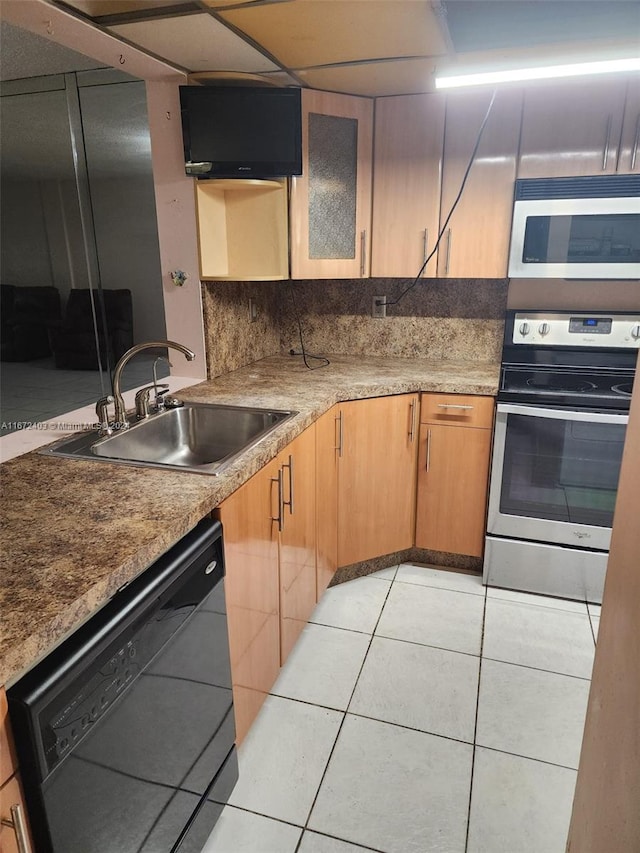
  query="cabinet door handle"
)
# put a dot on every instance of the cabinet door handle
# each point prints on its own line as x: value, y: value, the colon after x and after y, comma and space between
x: 636, y: 138
x: 428, y: 463
x: 412, y: 429
x: 340, y: 434
x: 363, y: 253
x: 453, y: 406
x: 289, y: 466
x: 607, y: 140
x: 448, y: 256
x: 279, y: 517
x: 425, y: 242
x: 17, y: 823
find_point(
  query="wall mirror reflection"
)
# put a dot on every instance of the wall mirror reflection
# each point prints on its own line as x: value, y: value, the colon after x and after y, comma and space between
x: 80, y: 267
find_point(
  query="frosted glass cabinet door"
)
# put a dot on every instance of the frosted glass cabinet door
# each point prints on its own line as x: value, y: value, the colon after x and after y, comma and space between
x: 331, y: 201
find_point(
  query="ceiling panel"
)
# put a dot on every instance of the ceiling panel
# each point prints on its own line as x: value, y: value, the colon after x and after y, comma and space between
x: 303, y: 33
x: 25, y: 54
x: 491, y: 24
x: 216, y: 4
x: 195, y: 42
x: 393, y: 77
x: 98, y: 8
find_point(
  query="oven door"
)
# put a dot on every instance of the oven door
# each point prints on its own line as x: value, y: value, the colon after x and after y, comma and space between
x: 555, y: 475
x: 576, y: 238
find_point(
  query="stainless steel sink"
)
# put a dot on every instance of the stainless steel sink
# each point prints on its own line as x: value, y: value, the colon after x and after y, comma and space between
x: 197, y: 437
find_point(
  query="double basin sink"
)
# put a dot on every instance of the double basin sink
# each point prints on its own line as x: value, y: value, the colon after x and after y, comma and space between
x: 197, y: 437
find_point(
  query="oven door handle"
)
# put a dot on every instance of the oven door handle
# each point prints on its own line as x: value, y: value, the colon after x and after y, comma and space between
x: 562, y: 414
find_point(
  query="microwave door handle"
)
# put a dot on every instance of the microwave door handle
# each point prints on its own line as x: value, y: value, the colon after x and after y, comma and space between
x: 561, y: 414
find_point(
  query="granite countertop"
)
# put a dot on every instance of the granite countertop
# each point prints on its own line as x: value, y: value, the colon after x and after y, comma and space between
x: 73, y: 531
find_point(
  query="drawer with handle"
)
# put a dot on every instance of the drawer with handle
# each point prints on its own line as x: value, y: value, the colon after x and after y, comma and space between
x: 457, y: 409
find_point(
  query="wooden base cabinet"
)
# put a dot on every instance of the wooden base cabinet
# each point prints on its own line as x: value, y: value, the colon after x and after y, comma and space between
x: 252, y: 590
x: 453, y: 473
x: 270, y: 585
x: 297, y: 539
x: 15, y: 836
x: 327, y: 438
x: 377, y: 446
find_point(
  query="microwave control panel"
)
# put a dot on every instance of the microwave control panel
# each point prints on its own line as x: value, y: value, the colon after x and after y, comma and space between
x: 588, y: 330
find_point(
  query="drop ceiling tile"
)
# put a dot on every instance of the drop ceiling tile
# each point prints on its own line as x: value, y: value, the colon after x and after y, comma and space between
x: 374, y: 79
x: 195, y: 42
x: 98, y: 8
x: 493, y: 24
x: 215, y: 4
x: 242, y: 78
x: 303, y: 33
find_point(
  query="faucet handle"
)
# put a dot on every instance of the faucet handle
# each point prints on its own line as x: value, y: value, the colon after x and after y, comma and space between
x: 161, y: 389
x: 143, y: 400
x: 102, y: 412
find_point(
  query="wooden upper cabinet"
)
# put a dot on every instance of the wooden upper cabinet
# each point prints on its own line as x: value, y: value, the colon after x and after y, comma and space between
x: 242, y: 229
x: 629, y: 159
x: 476, y: 240
x: 330, y: 208
x: 571, y: 129
x: 376, y: 476
x: 409, y: 133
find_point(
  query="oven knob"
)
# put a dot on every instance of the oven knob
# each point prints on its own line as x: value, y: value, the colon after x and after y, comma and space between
x: 635, y: 332
x: 544, y: 329
x: 524, y: 328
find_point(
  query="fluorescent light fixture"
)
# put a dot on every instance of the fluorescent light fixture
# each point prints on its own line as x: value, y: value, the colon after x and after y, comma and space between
x: 543, y: 72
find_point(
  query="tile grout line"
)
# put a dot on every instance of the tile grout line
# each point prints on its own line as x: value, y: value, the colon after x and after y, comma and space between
x: 539, y: 668
x: 475, y: 726
x: 344, y: 716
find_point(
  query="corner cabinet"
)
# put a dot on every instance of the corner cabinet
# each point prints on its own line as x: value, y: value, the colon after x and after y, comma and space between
x: 475, y: 243
x: 453, y: 473
x: 409, y: 133
x: 376, y: 449
x: 270, y: 584
x: 242, y: 229
x: 330, y: 207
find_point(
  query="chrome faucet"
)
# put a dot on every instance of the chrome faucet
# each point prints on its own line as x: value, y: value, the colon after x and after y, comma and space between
x: 120, y: 411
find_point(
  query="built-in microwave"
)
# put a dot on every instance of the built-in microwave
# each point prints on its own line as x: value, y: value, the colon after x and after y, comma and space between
x: 587, y: 227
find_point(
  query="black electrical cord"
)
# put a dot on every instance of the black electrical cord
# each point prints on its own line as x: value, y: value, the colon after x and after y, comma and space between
x: 454, y: 205
x: 305, y: 355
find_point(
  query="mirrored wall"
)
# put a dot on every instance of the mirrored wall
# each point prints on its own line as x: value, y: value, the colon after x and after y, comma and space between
x: 80, y: 267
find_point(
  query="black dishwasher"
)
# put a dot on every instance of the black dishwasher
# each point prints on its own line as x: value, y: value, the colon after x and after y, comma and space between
x: 125, y: 732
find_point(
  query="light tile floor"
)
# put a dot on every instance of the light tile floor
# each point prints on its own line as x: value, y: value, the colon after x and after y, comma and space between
x: 419, y: 713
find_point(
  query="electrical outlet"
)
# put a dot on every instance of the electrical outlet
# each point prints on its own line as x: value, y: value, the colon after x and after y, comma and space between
x: 379, y: 307
x: 253, y: 310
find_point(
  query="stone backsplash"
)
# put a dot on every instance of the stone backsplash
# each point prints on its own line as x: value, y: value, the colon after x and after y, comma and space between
x: 231, y: 340
x: 439, y: 318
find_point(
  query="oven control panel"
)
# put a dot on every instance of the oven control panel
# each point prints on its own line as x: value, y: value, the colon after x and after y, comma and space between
x: 576, y: 329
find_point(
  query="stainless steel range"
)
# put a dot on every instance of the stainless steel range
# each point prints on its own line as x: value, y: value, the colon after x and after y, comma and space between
x: 563, y: 402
